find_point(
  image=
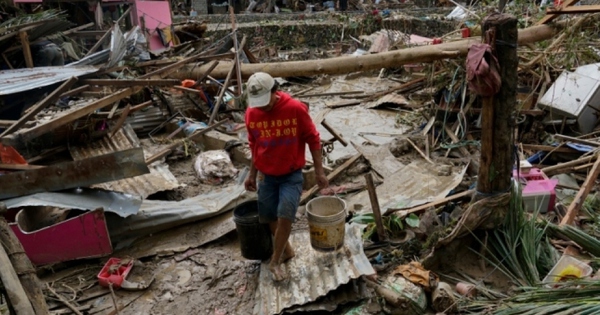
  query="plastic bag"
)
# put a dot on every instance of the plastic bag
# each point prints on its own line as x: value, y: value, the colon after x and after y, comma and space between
x: 214, y: 167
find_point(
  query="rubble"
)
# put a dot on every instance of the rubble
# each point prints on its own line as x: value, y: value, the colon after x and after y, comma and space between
x: 458, y: 199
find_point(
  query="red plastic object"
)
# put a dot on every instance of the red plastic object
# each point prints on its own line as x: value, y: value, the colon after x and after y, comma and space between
x: 437, y: 41
x: 114, y: 271
x: 466, y: 32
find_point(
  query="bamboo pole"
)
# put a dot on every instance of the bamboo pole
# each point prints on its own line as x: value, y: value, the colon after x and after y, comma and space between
x: 575, y: 206
x: 348, y: 64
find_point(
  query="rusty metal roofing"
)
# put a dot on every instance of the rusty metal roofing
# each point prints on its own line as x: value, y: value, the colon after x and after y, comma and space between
x: 354, y: 291
x: 146, y: 120
x: 312, y: 274
x: 20, y: 80
x: 391, y: 99
x: 159, y: 179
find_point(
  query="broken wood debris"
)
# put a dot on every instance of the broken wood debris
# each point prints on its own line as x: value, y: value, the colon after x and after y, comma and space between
x: 184, y: 106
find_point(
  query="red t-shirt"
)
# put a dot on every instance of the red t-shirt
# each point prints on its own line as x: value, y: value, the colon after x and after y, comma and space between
x: 278, y: 137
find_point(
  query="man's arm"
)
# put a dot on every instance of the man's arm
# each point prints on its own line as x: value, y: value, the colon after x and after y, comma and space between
x: 317, y: 156
x: 250, y: 182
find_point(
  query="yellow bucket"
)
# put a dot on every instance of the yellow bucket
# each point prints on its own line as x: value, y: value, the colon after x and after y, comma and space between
x: 326, y: 221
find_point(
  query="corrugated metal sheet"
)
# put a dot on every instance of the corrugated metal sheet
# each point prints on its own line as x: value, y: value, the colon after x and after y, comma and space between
x: 312, y: 274
x: 159, y: 179
x: 414, y: 184
x: 354, y: 291
x: 20, y: 80
x: 81, y: 198
x: 391, y: 99
x: 159, y: 215
x: 146, y: 120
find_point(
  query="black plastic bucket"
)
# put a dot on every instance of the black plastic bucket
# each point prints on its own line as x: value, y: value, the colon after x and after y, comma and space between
x: 256, y: 241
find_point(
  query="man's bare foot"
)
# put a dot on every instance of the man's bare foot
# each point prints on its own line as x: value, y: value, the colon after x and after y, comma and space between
x: 278, y: 274
x: 288, y: 254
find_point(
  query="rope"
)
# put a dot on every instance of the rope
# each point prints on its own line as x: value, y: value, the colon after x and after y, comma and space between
x: 460, y: 144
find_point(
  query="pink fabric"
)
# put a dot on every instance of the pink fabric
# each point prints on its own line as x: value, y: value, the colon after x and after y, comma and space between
x: 483, y: 74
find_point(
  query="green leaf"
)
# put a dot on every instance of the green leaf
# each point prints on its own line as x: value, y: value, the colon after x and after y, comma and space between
x: 363, y: 218
x: 395, y: 224
x: 412, y: 220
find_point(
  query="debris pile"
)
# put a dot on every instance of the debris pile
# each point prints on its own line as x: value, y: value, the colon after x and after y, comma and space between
x: 467, y: 161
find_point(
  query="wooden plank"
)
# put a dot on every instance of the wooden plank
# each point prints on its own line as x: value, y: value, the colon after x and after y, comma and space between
x: 39, y: 130
x: 113, y: 110
x: 82, y: 173
x: 6, y: 61
x: 47, y: 154
x: 550, y: 17
x: 431, y: 204
x: 193, y: 137
x: 162, y: 72
x: 95, y: 94
x: 547, y: 148
x: 133, y: 82
x: 63, y: 300
x: 419, y: 151
x: 121, y: 120
x: 20, y: 167
x: 7, y: 123
x: 207, y: 73
x: 375, y: 207
x: 10, y: 282
x: 330, y: 94
x: 141, y: 106
x: 343, y: 104
x: 34, y: 110
x: 577, y: 140
x: 565, y: 167
x: 582, y: 194
x: 26, y: 49
x: 575, y: 9
x: 75, y: 91
x: 331, y: 176
x: 335, y: 134
x: 107, y: 34
x: 67, y: 32
x: 188, y: 90
x: 226, y: 84
x: 455, y: 139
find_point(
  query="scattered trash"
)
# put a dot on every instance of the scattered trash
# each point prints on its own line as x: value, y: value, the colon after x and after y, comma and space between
x: 214, y: 166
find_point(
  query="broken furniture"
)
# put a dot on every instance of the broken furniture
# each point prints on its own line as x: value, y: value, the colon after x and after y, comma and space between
x: 82, y: 236
x: 575, y: 95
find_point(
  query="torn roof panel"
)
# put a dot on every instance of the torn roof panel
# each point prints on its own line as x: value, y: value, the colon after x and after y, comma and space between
x: 159, y: 179
x: 83, y: 199
x: 312, y: 274
x: 20, y: 80
x: 415, y: 184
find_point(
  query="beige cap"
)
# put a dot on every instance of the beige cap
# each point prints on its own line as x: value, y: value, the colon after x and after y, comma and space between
x: 259, y: 89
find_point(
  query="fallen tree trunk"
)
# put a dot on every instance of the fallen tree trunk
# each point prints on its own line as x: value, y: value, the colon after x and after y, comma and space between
x: 348, y: 64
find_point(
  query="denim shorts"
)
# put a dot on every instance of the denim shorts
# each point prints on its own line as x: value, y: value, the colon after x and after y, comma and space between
x: 279, y: 196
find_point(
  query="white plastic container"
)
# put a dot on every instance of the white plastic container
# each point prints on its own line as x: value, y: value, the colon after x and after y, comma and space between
x: 567, y: 262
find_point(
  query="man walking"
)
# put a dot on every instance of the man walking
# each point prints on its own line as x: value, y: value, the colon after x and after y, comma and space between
x: 279, y: 128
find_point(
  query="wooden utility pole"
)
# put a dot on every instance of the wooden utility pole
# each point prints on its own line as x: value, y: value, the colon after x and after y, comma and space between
x: 497, y: 116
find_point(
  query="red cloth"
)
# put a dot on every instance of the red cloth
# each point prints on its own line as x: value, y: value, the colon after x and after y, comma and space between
x: 278, y: 137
